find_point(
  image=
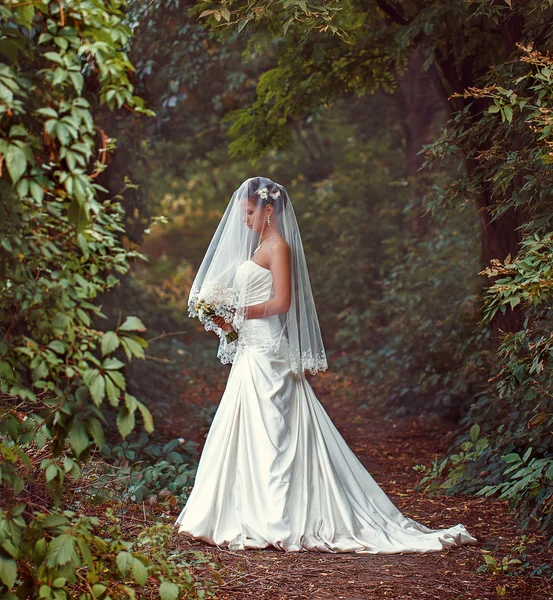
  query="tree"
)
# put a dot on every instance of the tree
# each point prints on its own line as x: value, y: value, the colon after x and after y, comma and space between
x: 331, y: 48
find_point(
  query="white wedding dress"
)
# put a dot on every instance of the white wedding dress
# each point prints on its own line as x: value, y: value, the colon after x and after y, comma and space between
x: 275, y: 471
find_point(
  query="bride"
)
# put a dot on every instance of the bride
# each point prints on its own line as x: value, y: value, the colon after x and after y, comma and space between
x: 274, y: 470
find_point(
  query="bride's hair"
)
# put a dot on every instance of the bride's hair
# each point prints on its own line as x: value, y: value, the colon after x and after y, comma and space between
x: 274, y: 195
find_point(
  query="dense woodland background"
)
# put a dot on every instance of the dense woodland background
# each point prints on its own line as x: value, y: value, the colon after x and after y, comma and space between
x: 416, y: 142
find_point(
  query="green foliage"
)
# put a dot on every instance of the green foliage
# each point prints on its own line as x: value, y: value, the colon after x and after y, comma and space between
x: 145, y: 468
x: 414, y: 340
x: 62, y: 248
x: 66, y: 555
x: 309, y: 16
x: 515, y: 409
x: 529, y: 486
x: 465, y: 466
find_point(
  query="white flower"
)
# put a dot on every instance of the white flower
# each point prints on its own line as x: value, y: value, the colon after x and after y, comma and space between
x: 264, y: 193
x: 275, y: 194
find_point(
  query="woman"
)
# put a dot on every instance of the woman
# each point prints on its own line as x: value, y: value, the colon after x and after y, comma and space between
x: 274, y: 470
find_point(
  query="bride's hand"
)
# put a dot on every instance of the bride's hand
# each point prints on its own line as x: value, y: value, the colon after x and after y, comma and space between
x: 220, y: 322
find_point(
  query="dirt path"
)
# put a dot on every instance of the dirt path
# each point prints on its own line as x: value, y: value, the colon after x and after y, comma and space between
x: 389, y: 449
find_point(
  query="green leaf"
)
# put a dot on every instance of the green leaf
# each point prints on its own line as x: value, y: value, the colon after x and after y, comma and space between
x: 51, y: 472
x: 508, y: 113
x: 490, y: 560
x: 511, y: 458
x: 117, y: 379
x: 474, y: 433
x: 47, y: 111
x: 139, y: 571
x: 8, y: 571
x: 110, y: 342
x: 134, y: 347
x: 78, y: 438
x: 86, y: 553
x: 54, y: 57
x: 112, y: 392
x: 98, y: 589
x: 77, y: 80
x: 54, y: 520
x: 168, y: 591
x: 112, y: 364
x: 61, y: 550
x: 98, y: 389
x: 125, y: 421
x: 124, y: 563
x: 146, y: 417
x: 25, y: 15
x: 527, y: 454
x: 132, y: 324
x: 57, y: 346
x: 94, y: 427
x: 16, y: 161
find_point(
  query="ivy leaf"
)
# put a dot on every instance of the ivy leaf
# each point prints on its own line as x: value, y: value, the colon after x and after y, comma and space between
x: 57, y: 346
x: 77, y: 80
x: 133, y: 347
x: 110, y: 342
x: 132, y: 324
x: 146, y: 417
x: 112, y: 392
x: 47, y: 111
x: 112, y: 364
x: 117, y: 379
x: 16, y: 161
x: 97, y: 388
x: 94, y: 427
x: 78, y: 438
x: 125, y: 421
x: 54, y: 57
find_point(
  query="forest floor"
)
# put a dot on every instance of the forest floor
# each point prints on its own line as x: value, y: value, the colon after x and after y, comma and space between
x: 389, y: 449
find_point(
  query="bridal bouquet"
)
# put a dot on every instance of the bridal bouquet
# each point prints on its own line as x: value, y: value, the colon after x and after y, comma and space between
x: 217, y: 301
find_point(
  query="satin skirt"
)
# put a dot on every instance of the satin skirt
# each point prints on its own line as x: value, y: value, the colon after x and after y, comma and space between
x: 276, y: 472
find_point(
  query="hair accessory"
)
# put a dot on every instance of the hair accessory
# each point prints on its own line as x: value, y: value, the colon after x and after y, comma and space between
x: 263, y: 193
x: 275, y: 194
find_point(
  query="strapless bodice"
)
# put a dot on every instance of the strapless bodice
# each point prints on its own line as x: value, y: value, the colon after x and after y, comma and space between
x: 255, y: 284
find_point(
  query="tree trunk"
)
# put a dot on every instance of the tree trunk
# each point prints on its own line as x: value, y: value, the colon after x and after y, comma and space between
x: 500, y: 238
x: 419, y: 105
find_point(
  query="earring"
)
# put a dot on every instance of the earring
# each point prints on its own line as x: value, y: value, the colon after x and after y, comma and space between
x: 268, y: 219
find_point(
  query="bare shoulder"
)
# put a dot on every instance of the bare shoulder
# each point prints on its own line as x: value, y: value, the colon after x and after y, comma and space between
x: 282, y: 244
x: 277, y: 254
x: 281, y: 249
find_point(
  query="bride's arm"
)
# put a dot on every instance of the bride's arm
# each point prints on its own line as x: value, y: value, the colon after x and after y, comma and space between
x: 281, y: 270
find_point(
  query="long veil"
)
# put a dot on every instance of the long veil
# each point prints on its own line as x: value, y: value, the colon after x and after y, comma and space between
x: 215, y: 285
